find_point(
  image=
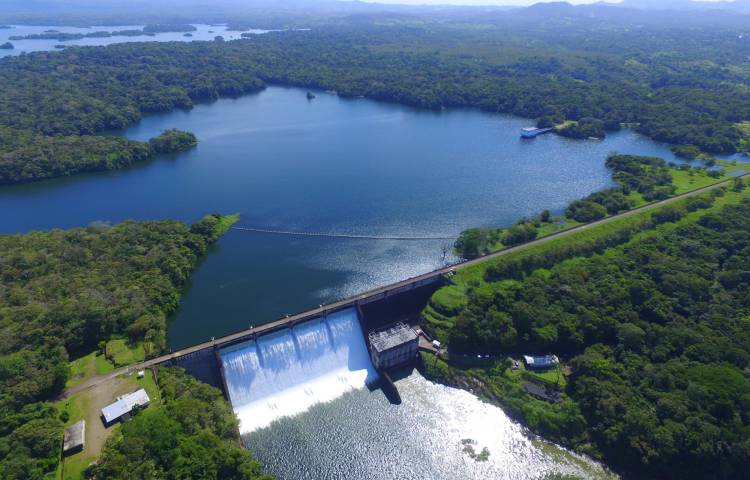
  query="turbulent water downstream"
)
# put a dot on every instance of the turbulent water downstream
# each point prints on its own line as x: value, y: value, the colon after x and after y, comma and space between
x: 362, y: 436
x: 305, y: 412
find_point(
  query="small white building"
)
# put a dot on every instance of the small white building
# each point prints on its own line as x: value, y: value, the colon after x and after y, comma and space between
x: 124, y: 405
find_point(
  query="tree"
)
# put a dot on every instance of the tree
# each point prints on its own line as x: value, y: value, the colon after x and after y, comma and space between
x: 585, y: 211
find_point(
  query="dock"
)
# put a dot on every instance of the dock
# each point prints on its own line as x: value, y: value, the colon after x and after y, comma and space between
x: 532, y: 132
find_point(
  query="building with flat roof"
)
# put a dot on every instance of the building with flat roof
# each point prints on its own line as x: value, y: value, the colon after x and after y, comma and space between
x: 74, y: 438
x: 540, y: 363
x: 393, y: 346
x: 124, y: 406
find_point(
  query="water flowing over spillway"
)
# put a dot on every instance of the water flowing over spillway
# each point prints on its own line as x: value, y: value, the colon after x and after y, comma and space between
x: 286, y: 372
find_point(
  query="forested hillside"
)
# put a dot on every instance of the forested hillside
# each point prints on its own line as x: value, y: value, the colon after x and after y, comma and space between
x: 653, y: 317
x: 686, y: 86
x: 192, y: 435
x: 64, y: 291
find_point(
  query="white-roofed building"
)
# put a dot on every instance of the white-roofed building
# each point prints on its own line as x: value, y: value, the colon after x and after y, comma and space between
x: 124, y: 405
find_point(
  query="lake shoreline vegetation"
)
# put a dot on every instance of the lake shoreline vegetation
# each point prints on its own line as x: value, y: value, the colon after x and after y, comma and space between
x: 565, y: 83
x: 100, y: 294
x: 28, y: 157
x: 638, y: 181
x: 148, y: 30
x: 647, y: 315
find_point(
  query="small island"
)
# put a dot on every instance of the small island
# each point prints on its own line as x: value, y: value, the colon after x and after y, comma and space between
x: 187, y: 34
x: 310, y: 95
x: 173, y: 141
x: 7, y: 46
x: 165, y: 28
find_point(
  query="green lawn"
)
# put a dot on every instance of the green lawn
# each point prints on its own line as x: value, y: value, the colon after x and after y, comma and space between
x: 226, y: 222
x: 121, y: 352
x: 687, y: 180
x: 83, y: 368
x: 553, y: 376
x: 555, y: 225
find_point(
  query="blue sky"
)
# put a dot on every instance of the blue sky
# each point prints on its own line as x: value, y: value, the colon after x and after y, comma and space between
x: 485, y: 2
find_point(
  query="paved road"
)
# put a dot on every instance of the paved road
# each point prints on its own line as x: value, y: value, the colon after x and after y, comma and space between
x: 319, y: 311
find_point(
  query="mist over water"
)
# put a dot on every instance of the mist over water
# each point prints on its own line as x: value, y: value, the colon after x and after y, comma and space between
x: 286, y: 372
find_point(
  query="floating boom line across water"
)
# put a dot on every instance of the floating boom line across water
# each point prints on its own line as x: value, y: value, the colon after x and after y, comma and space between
x: 340, y: 235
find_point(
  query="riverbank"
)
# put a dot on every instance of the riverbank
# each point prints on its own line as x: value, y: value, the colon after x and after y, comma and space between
x: 558, y: 298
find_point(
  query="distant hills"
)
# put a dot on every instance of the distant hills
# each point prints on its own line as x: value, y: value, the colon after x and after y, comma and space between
x: 742, y: 6
x: 296, y: 13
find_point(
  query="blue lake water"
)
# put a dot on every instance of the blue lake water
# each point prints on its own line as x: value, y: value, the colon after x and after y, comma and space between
x: 326, y: 165
x: 202, y: 32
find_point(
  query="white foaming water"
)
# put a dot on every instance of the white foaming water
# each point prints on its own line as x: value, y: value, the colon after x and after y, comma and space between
x: 286, y: 372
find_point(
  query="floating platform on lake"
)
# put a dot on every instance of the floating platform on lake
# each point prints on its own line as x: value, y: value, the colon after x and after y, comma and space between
x: 531, y: 132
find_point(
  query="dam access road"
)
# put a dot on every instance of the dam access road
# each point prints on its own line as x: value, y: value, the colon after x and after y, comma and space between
x: 377, y: 293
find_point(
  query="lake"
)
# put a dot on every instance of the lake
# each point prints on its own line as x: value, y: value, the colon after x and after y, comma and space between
x: 326, y: 165
x: 202, y: 32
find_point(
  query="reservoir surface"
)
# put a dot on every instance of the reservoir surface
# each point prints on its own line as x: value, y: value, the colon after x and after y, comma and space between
x: 326, y: 165
x: 202, y: 32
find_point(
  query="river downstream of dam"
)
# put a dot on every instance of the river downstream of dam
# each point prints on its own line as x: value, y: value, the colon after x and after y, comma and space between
x: 309, y: 407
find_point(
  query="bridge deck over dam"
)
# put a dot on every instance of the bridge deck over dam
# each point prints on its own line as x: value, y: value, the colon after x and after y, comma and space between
x: 210, y: 348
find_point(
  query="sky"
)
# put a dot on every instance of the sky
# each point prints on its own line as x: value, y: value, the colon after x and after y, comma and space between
x: 488, y: 2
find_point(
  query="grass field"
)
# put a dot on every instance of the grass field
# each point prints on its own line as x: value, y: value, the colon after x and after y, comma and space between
x: 91, y: 365
x: 121, y: 352
x: 87, y: 405
x: 226, y: 223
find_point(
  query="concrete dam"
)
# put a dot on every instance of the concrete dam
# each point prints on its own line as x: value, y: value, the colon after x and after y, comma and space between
x: 285, y: 367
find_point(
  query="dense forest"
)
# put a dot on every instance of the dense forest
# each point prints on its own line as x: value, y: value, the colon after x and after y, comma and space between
x: 64, y: 291
x: 193, y: 434
x: 28, y: 157
x: 654, y: 326
x: 685, y: 86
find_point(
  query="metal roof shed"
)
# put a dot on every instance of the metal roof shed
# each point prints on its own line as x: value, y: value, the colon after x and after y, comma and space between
x: 124, y: 405
x: 74, y: 438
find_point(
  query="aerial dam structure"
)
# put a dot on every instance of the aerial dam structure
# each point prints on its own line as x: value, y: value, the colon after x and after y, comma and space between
x: 308, y: 349
x: 284, y: 367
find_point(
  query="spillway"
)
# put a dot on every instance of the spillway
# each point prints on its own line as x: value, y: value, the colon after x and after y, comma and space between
x: 286, y: 372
